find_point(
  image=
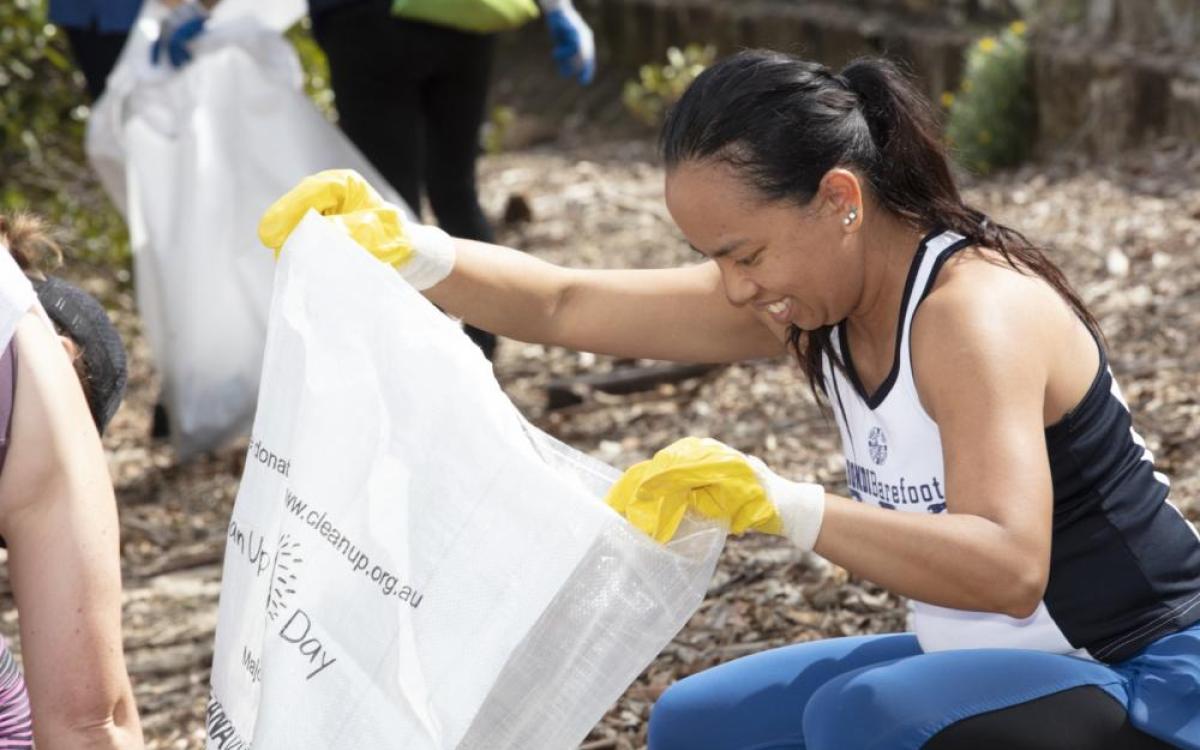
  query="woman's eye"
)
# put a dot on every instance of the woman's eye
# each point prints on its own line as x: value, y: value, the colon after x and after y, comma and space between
x: 751, y: 260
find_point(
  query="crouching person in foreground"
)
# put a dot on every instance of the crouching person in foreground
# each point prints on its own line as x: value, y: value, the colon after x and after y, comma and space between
x: 62, y: 376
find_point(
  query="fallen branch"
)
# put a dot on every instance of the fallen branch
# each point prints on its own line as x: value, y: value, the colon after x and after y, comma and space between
x: 570, y: 391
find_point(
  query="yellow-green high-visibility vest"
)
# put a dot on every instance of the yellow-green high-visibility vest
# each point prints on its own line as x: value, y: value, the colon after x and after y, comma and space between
x: 483, y: 16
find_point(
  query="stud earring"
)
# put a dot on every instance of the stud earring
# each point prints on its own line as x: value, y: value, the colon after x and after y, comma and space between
x: 850, y: 217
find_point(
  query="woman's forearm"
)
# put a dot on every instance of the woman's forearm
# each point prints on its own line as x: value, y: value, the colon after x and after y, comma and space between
x: 115, y: 729
x: 955, y: 560
x: 503, y: 290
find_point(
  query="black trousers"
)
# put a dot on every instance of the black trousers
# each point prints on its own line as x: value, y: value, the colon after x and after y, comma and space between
x: 95, y: 53
x: 1082, y: 718
x: 412, y: 97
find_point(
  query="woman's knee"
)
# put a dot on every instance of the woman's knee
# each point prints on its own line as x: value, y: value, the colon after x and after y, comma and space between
x: 679, y: 717
x: 848, y: 712
x: 757, y: 701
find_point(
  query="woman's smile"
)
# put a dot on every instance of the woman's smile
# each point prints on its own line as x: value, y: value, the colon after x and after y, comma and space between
x: 780, y: 310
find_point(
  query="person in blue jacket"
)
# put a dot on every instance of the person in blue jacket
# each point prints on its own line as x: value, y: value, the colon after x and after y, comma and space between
x: 96, y: 31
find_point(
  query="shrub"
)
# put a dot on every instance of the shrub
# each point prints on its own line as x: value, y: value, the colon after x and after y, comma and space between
x: 43, y: 110
x: 990, y: 119
x: 660, y: 86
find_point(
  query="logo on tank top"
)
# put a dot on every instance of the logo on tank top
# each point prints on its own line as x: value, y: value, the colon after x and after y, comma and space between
x: 877, y: 445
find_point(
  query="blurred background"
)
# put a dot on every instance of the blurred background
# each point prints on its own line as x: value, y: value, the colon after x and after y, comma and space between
x: 1075, y: 121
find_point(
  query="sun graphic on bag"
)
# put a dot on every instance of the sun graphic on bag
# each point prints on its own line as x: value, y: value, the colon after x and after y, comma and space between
x: 283, y: 576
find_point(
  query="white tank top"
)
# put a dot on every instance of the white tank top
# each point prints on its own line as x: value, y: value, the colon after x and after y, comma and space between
x: 16, y: 296
x: 893, y: 456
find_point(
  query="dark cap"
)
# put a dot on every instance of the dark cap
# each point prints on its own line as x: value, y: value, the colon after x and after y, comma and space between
x: 80, y: 317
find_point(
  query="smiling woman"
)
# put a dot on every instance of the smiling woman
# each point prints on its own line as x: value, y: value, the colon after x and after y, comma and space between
x: 995, y: 479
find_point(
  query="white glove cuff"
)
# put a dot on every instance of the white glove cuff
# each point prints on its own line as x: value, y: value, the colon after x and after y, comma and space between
x: 801, y: 506
x: 433, y: 256
x: 549, y: 6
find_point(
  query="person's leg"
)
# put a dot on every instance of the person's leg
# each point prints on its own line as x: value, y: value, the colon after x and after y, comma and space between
x: 976, y: 699
x: 455, y: 101
x: 379, y: 66
x: 1082, y: 718
x: 375, y: 72
x: 1164, y: 688
x: 757, y: 702
x: 95, y: 54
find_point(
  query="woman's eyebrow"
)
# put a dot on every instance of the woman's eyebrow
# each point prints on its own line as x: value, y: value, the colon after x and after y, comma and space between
x: 722, y: 251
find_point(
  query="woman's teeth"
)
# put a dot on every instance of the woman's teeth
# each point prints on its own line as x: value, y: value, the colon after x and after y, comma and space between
x: 777, y: 308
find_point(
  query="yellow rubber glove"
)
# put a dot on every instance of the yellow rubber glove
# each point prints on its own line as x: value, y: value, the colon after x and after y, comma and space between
x: 701, y: 475
x: 424, y: 255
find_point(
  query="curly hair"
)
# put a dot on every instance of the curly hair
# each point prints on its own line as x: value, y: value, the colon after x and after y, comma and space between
x: 31, y: 242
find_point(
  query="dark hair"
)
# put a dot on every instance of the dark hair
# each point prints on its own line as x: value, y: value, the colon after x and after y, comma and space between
x: 783, y: 123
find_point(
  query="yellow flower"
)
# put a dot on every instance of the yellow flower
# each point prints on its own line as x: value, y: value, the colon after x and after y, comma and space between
x: 947, y: 99
x: 1017, y: 27
x: 985, y: 136
x: 987, y: 44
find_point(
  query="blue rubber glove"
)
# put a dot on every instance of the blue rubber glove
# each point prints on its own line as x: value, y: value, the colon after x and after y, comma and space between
x: 178, y: 29
x: 574, y: 45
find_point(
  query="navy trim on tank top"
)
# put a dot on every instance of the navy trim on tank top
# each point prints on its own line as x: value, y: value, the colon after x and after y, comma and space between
x: 1113, y: 527
x: 875, y: 399
x: 1113, y: 522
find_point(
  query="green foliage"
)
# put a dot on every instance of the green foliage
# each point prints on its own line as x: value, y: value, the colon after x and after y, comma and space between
x: 990, y: 121
x: 316, y: 67
x: 43, y: 115
x: 495, y: 130
x: 660, y: 86
x: 39, y: 95
x: 43, y: 108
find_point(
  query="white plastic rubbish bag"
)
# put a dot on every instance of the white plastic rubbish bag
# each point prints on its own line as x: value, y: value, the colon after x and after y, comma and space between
x: 409, y: 563
x: 194, y: 157
x: 277, y: 14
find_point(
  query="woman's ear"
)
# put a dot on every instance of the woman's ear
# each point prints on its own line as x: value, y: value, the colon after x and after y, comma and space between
x: 69, y: 345
x: 841, y: 195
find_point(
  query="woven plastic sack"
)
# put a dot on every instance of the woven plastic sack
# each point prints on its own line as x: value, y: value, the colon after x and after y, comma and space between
x: 409, y: 563
x: 193, y: 157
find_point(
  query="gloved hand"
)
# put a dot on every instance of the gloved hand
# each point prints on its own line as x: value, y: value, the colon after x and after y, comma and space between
x: 184, y: 23
x: 716, y: 481
x: 574, y: 45
x: 423, y: 255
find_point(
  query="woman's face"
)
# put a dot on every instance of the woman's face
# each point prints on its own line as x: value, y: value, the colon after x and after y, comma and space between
x: 795, y: 265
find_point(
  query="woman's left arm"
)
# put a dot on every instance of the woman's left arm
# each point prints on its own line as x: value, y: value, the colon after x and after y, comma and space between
x: 58, y: 515
x: 982, y: 356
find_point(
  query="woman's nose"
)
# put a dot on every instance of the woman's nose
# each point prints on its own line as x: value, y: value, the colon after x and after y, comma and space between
x: 739, y: 288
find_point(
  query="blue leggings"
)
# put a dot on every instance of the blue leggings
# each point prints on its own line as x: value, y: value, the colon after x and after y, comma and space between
x: 883, y: 692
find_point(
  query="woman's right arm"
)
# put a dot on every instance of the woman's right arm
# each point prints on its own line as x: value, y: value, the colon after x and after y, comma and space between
x: 59, y: 517
x: 679, y: 314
